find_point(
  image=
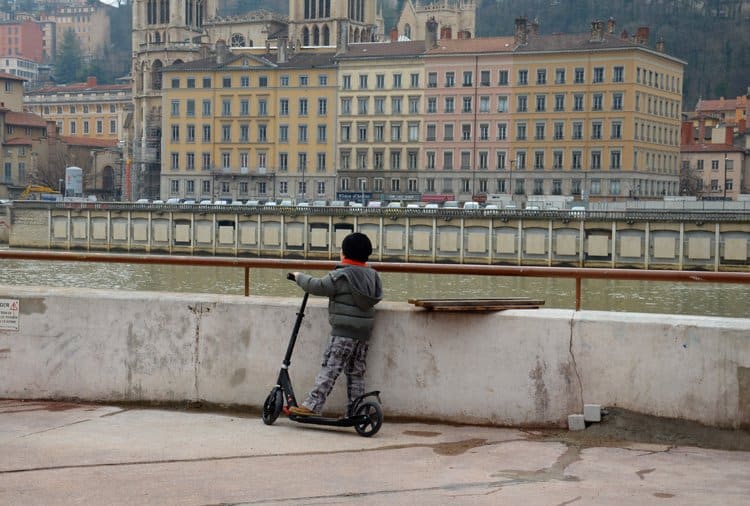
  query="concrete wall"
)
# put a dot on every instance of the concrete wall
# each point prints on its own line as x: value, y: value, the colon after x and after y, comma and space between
x: 520, y: 367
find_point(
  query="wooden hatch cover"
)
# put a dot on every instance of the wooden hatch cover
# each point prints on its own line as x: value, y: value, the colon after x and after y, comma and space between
x: 477, y: 305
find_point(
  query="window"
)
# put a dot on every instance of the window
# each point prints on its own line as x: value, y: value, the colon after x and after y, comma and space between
x: 303, y: 107
x: 596, y: 160
x: 205, y: 161
x: 322, y: 106
x: 284, y: 81
x: 362, y: 105
x: 557, y: 159
x: 302, y: 133
x: 484, y: 132
x: 322, y: 80
x: 262, y: 107
x: 596, y: 130
x: 346, y: 82
x: 448, y: 133
x: 431, y: 132
x: 523, y: 77
x: 559, y: 103
x: 304, y: 81
x: 577, y: 160
x: 579, y: 75
x: 539, y: 160
x: 395, y: 185
x: 521, y: 132
x: 414, y: 105
x: 378, y: 132
x: 226, y: 133
x: 502, y: 103
x: 301, y: 162
x: 363, y: 81
x: 466, y: 132
x: 322, y: 133
x: 539, y: 131
x: 597, y: 100
x: 616, y: 130
x: 502, y: 131
x: 484, y: 78
x: 559, y: 76
x: 244, y: 81
x: 618, y: 74
x: 598, y: 74
x: 396, y: 81
x: 502, y: 78
x: 362, y: 132
x: 226, y: 82
x: 396, y: 132
x: 500, y: 160
x: 174, y: 161
x: 449, y: 104
x: 395, y: 159
x: 614, y: 159
x: 522, y: 103
x: 468, y: 76
x: 395, y: 105
x: 450, y: 79
x: 262, y: 133
x: 175, y: 83
x: 283, y: 133
x: 413, y: 132
x: 617, y: 101
x: 380, y: 81
x: 541, y: 76
x: 190, y: 137
x: 226, y: 107
x: 466, y: 104
x: 578, y: 102
x: 577, y: 130
x: 263, y: 82
x: 448, y: 160
x: 432, y: 80
x: 283, y: 162
x: 559, y: 128
x: 174, y: 108
x: 206, y: 108
x: 432, y: 105
x: 541, y: 103
x: 175, y: 133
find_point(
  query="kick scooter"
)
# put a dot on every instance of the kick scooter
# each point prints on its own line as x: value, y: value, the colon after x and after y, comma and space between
x: 366, y: 416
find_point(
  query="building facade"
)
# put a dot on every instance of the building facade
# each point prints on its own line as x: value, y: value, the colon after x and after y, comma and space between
x: 250, y: 126
x: 455, y: 18
x: 21, y: 39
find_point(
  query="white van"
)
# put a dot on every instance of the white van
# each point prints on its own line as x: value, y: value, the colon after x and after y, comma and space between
x: 471, y: 205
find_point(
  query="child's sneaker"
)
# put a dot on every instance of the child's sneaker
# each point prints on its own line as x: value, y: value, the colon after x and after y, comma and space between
x: 301, y: 411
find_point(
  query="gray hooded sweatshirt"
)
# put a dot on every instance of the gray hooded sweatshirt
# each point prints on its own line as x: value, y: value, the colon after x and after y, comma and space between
x: 353, y: 292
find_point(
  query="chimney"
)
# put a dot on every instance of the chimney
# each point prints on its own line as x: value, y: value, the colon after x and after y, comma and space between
x: 611, y: 26
x: 221, y: 52
x: 431, y: 38
x: 641, y: 36
x: 686, y: 133
x: 742, y: 126
x: 729, y: 136
x: 446, y: 33
x: 394, y: 34
x: 660, y: 45
x: 282, y: 50
x: 597, y: 31
x: 535, y: 26
x: 624, y: 35
x: 91, y: 81
x: 701, y: 130
x: 521, y: 32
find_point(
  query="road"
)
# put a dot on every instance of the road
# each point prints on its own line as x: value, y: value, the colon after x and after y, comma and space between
x: 70, y: 453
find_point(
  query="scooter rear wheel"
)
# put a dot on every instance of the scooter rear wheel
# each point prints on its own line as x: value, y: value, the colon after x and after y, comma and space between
x: 374, y: 413
x: 272, y: 407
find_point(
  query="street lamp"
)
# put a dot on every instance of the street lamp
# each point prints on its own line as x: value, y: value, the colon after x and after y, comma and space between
x: 510, y: 181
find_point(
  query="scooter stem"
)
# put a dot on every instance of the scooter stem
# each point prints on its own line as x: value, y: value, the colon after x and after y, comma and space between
x: 297, y: 324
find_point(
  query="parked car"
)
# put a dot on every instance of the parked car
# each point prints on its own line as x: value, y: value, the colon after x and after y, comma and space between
x: 236, y: 203
x: 159, y: 202
x: 450, y: 204
x: 394, y: 205
x: 319, y: 203
x: 205, y: 202
x: 491, y: 209
x: 338, y: 203
x: 270, y: 203
x: 252, y: 203
x: 374, y: 203
x: 172, y: 201
x: 471, y: 205
x: 413, y: 206
x: 143, y: 201
x: 189, y: 202
x: 286, y: 203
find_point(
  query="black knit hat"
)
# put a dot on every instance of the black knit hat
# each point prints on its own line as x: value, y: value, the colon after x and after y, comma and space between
x: 357, y: 246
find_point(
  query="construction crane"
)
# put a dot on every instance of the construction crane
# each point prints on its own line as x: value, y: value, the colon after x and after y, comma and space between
x: 39, y: 192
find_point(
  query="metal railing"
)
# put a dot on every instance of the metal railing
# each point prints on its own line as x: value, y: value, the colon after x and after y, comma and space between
x: 577, y: 274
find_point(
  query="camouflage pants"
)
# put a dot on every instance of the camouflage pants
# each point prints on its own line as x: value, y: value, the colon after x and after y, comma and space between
x: 342, y: 354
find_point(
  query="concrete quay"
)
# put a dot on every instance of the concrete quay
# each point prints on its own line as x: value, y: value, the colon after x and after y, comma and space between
x: 75, y: 453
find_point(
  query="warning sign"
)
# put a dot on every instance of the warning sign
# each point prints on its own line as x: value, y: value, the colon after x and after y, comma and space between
x: 9, y: 314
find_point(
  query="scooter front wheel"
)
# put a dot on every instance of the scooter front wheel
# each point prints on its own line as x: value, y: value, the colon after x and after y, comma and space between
x: 374, y: 414
x: 273, y: 405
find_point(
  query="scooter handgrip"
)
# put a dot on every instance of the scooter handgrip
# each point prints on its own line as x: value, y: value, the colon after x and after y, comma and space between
x: 290, y: 276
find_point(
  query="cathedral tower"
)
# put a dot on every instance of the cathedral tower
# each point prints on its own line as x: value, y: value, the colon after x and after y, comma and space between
x: 332, y: 22
x: 164, y: 32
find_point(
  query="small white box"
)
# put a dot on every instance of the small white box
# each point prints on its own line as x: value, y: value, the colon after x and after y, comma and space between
x: 576, y: 422
x: 592, y: 412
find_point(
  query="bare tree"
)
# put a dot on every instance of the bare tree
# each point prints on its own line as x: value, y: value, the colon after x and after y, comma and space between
x: 690, y: 182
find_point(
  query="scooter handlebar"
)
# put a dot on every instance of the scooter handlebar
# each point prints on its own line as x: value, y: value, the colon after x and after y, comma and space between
x: 290, y: 276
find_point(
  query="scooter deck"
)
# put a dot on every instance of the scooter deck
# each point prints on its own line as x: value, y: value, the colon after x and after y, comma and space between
x: 334, y: 422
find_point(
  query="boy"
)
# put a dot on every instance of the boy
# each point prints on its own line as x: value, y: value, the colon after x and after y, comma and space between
x: 353, y: 289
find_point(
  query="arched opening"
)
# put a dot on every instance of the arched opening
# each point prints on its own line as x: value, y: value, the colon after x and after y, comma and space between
x: 316, y: 36
x: 326, y: 35
x: 305, y: 36
x: 356, y: 35
x: 156, y: 69
x: 108, y: 180
x: 407, y: 31
x: 157, y: 38
x: 237, y: 40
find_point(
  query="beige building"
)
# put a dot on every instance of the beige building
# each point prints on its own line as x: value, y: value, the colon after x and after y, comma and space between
x: 89, y: 21
x: 250, y: 126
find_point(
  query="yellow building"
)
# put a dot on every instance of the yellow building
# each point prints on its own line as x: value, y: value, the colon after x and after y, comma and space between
x: 249, y: 126
x: 595, y: 115
x: 380, y: 107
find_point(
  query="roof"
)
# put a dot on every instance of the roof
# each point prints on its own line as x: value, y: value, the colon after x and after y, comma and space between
x: 722, y: 104
x: 18, y: 141
x: 480, y: 45
x: 24, y: 119
x: 72, y: 140
x: 383, y: 50
x: 5, y: 75
x: 79, y: 88
x: 710, y: 148
x: 267, y: 60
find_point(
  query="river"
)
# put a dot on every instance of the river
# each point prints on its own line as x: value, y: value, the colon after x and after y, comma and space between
x: 706, y: 299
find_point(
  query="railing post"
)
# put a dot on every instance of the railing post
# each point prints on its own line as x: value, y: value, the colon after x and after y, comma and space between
x: 247, y: 280
x: 578, y: 293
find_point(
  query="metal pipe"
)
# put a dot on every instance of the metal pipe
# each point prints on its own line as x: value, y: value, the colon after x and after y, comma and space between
x: 578, y: 274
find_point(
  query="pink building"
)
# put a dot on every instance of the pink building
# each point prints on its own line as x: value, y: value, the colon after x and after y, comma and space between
x: 467, y: 117
x: 22, y: 39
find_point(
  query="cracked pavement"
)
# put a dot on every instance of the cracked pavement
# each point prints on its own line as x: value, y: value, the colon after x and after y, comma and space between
x: 71, y: 453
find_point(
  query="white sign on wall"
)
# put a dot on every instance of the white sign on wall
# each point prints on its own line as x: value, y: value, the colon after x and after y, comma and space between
x: 9, y: 314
